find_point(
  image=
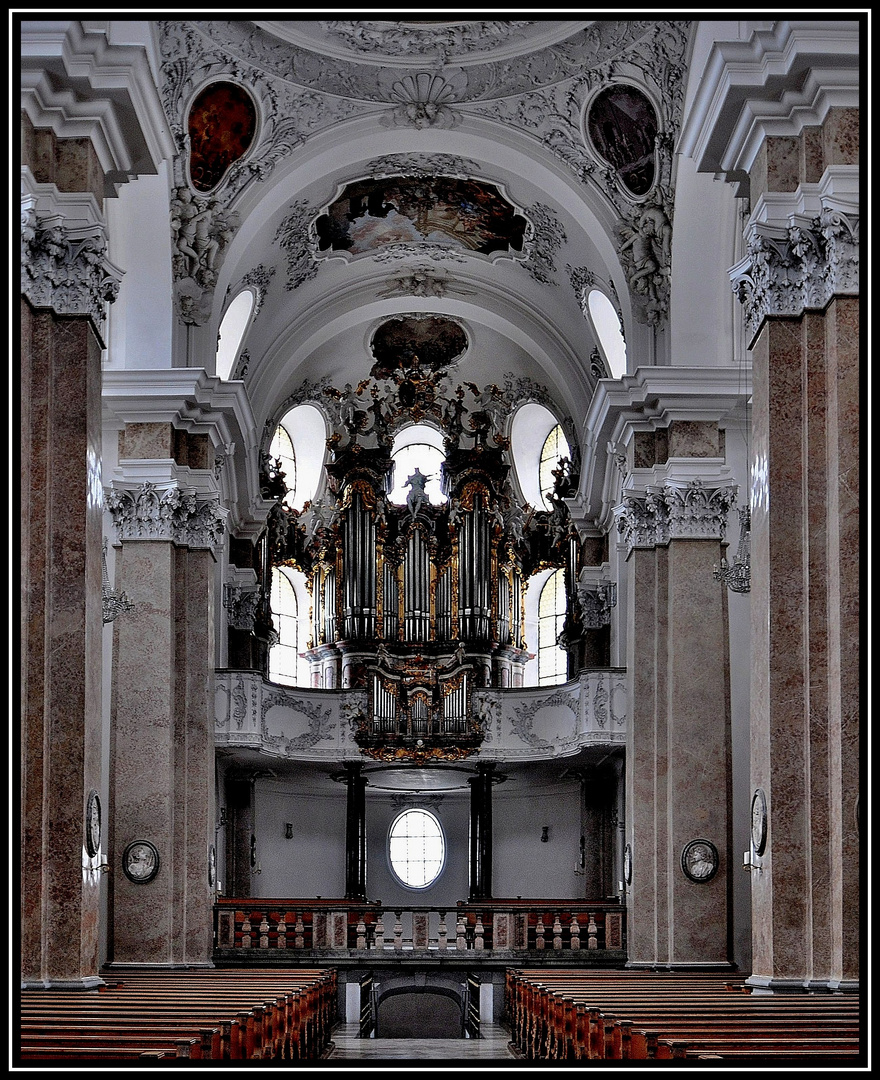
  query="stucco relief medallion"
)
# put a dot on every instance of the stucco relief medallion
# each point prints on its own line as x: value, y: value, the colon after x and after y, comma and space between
x: 759, y: 821
x: 699, y: 861
x: 140, y: 861
x: 93, y: 824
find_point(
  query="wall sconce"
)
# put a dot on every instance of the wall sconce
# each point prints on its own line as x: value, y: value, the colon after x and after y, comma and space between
x: 749, y: 866
x: 545, y: 834
x: 288, y: 830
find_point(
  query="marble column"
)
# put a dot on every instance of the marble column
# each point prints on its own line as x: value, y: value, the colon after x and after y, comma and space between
x: 802, y: 324
x: 66, y: 282
x: 162, y: 740
x: 678, y: 743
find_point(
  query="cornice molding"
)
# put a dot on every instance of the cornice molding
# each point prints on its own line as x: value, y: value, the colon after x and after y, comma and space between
x: 192, y: 400
x: 648, y: 400
x: 777, y: 82
x: 114, y: 101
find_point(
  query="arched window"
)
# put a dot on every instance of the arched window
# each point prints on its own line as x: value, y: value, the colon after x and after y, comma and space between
x: 286, y: 666
x: 555, y: 447
x: 609, y: 332
x: 304, y: 430
x: 416, y: 849
x: 418, y: 446
x: 531, y: 436
x: 282, y: 449
x: 232, y: 330
x: 552, y: 660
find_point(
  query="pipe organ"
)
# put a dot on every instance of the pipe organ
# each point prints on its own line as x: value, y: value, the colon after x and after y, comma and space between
x: 419, y: 603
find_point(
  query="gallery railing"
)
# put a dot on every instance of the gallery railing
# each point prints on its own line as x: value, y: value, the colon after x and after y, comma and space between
x: 260, y: 928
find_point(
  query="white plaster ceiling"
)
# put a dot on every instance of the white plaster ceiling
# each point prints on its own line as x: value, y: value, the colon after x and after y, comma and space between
x: 515, y: 92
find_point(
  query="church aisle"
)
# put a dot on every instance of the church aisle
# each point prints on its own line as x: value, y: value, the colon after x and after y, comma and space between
x: 493, y: 1045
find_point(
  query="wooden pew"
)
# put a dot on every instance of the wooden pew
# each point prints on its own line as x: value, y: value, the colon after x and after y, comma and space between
x: 234, y: 1015
x: 571, y: 1014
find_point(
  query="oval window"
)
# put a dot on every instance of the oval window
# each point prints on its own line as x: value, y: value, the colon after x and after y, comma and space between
x: 416, y: 849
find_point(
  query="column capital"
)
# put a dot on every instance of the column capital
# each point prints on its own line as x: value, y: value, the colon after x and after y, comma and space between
x: 797, y: 266
x: 676, y: 509
x: 168, y: 513
x: 64, y: 264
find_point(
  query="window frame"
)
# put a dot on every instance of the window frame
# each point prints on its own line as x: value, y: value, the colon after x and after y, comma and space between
x: 443, y: 853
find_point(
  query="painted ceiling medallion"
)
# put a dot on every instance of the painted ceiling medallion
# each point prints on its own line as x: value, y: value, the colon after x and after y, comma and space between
x: 445, y: 211
x: 622, y: 126
x: 437, y: 342
x: 221, y: 126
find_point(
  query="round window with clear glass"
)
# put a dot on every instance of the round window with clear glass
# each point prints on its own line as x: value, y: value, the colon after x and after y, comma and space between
x: 416, y: 849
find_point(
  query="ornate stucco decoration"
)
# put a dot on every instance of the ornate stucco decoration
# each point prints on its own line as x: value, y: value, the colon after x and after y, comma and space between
x: 242, y: 606
x: 645, y: 251
x: 674, y: 510
x: 520, y: 75
x: 595, y: 602
x: 200, y: 230
x: 425, y: 101
x: 257, y: 280
x: 405, y: 39
x: 173, y: 514
x: 424, y: 165
x: 789, y: 269
x: 66, y: 269
x: 321, y: 727
x: 423, y: 281
x: 544, y: 237
x: 293, y: 237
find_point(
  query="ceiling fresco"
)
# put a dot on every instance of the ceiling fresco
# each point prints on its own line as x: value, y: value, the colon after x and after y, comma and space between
x: 370, y: 214
x: 433, y: 341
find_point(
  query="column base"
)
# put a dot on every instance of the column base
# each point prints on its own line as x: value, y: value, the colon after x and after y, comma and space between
x: 90, y: 982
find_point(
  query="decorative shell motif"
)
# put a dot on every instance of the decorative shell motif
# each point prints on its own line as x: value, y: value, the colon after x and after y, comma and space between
x: 424, y: 101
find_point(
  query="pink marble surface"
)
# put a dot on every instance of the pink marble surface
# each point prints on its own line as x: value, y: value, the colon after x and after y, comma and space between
x: 805, y: 634
x: 163, y: 763
x: 145, y: 441
x: 693, y: 439
x: 62, y: 642
x: 841, y: 137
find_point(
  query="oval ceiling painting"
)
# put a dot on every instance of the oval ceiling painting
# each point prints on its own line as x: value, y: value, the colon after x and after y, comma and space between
x: 622, y: 126
x: 222, y: 123
x: 443, y: 210
x: 431, y: 342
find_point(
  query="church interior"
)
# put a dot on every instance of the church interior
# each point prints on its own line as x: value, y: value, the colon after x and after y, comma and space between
x: 460, y: 424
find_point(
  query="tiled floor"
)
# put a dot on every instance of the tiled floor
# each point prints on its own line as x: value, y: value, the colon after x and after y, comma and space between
x: 491, y: 1046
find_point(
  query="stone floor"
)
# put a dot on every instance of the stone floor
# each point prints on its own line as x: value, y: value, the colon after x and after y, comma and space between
x: 493, y: 1045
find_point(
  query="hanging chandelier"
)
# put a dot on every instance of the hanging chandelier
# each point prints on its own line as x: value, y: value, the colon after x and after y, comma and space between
x: 738, y: 577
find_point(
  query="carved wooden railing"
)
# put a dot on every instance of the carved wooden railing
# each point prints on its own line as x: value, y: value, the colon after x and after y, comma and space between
x: 260, y: 928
